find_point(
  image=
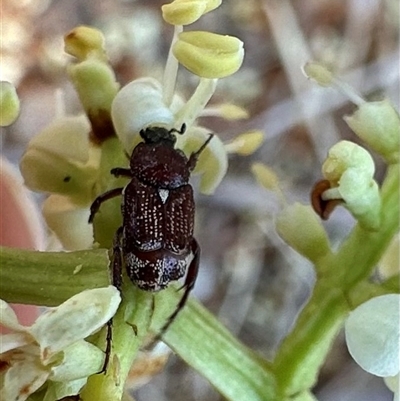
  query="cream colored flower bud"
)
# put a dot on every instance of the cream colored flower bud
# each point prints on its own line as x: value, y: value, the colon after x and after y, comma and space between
x: 378, y: 124
x: 350, y: 170
x: 83, y: 42
x: 319, y: 73
x: 137, y: 106
x: 299, y: 226
x: 69, y: 222
x: 246, y: 143
x: 184, y: 12
x: 9, y: 104
x: 209, y: 55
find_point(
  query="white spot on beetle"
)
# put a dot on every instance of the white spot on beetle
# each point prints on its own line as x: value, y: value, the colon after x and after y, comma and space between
x: 163, y: 194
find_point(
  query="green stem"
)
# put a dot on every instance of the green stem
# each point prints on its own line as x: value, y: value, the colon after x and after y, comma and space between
x: 127, y: 340
x: 233, y: 369
x: 302, y: 353
x: 49, y: 278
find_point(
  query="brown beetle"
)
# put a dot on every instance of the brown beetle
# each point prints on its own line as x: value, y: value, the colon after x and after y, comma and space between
x: 156, y: 236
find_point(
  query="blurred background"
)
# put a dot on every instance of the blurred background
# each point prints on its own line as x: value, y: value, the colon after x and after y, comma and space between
x: 249, y: 278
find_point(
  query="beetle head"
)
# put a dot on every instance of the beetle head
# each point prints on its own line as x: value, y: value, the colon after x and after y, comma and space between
x: 153, y: 135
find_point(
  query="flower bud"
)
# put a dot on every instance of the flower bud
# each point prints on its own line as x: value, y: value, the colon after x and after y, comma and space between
x: 9, y: 104
x: 378, y: 124
x: 350, y: 169
x: 209, y: 55
x: 299, y: 227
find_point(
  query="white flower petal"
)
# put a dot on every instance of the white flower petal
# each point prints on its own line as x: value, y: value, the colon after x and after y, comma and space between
x: 14, y: 340
x: 69, y: 222
x: 22, y: 380
x: 67, y: 137
x: 81, y: 360
x: 393, y: 383
x: 59, y: 390
x: 373, y: 335
x: 213, y: 161
x: 136, y: 106
x: 8, y: 318
x: 75, y: 319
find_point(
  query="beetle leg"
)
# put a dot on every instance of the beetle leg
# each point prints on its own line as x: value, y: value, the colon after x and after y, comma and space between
x: 116, y: 279
x: 94, y: 208
x: 121, y: 172
x: 188, y: 285
x: 195, y: 155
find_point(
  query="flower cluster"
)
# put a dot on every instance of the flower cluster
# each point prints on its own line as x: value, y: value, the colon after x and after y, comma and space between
x: 53, y: 349
x: 72, y: 157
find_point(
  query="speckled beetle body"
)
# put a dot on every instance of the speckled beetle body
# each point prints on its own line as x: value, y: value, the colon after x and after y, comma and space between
x: 156, y: 237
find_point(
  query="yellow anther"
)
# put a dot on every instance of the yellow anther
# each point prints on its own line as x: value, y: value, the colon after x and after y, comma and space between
x: 246, y: 143
x: 209, y: 55
x: 319, y: 73
x: 85, y: 41
x: 185, y: 12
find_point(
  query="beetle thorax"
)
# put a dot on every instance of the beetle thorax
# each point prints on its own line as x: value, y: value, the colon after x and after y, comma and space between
x: 159, y: 165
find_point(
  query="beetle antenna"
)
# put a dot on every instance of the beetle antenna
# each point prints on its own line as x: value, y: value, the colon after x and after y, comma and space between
x: 181, y: 131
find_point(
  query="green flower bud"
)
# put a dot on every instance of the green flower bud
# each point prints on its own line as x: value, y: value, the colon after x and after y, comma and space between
x: 378, y: 124
x: 349, y: 168
x: 9, y: 104
x: 300, y: 227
